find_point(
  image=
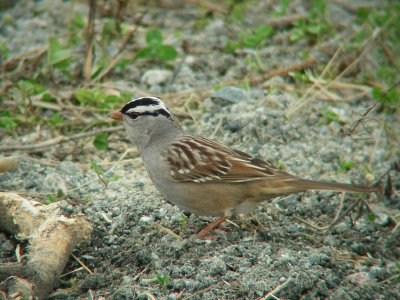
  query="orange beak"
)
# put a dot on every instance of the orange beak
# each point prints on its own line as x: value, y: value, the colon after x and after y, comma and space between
x: 116, y: 115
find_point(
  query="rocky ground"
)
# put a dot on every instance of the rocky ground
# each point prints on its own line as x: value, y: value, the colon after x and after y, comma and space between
x: 283, y: 249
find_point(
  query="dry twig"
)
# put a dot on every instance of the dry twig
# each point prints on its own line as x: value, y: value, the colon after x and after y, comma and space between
x: 285, y: 20
x: 59, y: 140
x: 339, y: 215
x: 356, y: 124
x: 121, y: 6
x: 303, y: 101
x: 32, y: 56
x: 167, y: 230
x: 209, y: 5
x: 272, y: 293
x: 82, y: 264
x: 87, y: 69
x: 115, y: 59
x: 284, y: 71
x: 202, y: 92
x: 389, y: 55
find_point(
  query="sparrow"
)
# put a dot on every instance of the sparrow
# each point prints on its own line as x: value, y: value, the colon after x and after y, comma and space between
x: 203, y: 176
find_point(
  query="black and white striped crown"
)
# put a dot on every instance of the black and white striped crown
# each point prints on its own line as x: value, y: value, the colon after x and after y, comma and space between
x: 146, y: 106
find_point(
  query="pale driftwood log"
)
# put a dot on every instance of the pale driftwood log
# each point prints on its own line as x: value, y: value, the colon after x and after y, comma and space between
x: 52, y: 237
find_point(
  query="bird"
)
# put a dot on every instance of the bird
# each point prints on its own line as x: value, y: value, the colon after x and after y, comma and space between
x: 202, y: 176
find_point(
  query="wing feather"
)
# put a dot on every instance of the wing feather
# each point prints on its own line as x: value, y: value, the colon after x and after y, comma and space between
x: 197, y: 159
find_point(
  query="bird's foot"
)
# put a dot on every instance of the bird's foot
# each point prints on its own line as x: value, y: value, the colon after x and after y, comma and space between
x: 203, y: 234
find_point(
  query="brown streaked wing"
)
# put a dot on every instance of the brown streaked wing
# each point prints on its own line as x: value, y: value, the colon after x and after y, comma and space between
x: 197, y: 159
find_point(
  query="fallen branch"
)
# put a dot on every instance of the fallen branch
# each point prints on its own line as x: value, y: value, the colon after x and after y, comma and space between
x: 52, y: 237
x: 59, y: 140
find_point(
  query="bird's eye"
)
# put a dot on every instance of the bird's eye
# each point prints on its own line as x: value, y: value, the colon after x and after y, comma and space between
x: 133, y: 115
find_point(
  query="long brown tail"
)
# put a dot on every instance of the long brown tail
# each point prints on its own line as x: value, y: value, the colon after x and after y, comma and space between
x: 291, y: 184
x: 305, y: 184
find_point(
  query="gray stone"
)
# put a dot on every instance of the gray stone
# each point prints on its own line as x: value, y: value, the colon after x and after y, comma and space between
x: 229, y: 95
x: 156, y: 77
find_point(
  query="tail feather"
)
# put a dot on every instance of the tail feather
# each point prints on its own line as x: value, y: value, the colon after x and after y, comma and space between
x: 291, y: 185
x: 305, y: 184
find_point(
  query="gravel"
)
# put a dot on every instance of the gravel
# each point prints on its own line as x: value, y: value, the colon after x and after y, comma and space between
x: 270, y: 249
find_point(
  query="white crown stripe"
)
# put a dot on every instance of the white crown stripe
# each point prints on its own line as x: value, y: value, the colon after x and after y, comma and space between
x: 147, y: 108
x: 148, y: 97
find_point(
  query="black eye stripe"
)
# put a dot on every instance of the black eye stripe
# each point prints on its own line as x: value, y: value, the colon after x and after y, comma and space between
x: 164, y: 113
x: 134, y: 115
x: 140, y: 102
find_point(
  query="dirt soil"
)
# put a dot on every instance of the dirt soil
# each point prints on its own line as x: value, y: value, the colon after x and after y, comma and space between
x: 283, y: 249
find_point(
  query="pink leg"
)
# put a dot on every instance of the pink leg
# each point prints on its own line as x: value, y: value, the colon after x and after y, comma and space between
x: 202, y: 233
